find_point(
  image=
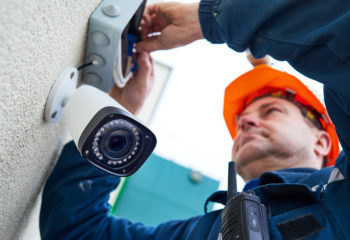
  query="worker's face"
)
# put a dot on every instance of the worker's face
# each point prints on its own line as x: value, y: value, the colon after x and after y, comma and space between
x: 272, y: 134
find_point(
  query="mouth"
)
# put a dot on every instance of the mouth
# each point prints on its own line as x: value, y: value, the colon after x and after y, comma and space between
x: 247, y: 137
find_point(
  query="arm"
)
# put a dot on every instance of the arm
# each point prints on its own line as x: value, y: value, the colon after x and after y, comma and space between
x: 134, y: 94
x: 75, y: 206
x: 74, y: 201
x: 313, y: 36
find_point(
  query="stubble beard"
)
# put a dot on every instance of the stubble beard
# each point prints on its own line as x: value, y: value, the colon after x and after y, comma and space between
x: 265, y: 155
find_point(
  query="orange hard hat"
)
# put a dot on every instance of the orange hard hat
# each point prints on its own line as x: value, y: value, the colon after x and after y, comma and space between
x: 262, y: 79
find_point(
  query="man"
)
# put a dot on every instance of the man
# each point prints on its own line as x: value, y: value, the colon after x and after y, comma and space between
x: 272, y: 117
x: 277, y: 127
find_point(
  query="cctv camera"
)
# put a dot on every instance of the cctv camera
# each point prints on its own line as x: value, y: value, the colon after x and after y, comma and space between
x: 106, y: 134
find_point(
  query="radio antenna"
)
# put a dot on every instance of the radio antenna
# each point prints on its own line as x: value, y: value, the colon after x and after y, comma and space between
x: 232, y: 181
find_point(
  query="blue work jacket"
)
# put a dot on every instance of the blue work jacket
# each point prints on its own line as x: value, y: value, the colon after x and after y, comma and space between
x: 313, y: 36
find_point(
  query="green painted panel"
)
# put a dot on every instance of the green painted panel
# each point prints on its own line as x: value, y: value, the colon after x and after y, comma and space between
x: 163, y: 190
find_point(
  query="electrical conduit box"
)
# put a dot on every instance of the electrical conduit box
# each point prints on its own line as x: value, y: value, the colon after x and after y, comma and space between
x: 113, y: 29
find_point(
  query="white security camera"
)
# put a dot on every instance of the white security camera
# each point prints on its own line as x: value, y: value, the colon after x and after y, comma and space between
x: 106, y: 134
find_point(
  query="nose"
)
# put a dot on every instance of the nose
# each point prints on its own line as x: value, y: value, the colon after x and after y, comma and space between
x: 247, y: 121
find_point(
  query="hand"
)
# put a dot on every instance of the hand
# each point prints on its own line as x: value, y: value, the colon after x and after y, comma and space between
x: 134, y: 94
x: 169, y: 25
x: 257, y: 61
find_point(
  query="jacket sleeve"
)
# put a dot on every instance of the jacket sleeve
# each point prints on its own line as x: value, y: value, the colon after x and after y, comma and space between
x: 304, y: 33
x: 313, y: 36
x: 75, y: 206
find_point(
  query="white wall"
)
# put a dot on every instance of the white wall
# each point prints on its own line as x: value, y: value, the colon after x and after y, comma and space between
x: 37, y: 40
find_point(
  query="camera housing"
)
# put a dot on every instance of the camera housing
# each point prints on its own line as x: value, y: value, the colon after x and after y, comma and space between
x: 106, y: 134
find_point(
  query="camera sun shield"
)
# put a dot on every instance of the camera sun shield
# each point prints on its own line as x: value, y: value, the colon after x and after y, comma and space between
x: 115, y: 142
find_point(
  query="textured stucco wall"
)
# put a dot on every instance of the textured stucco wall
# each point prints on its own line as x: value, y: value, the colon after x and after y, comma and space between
x: 37, y: 40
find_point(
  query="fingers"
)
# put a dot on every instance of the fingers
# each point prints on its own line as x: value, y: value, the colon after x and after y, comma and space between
x: 154, y: 21
x: 172, y: 36
x: 150, y: 44
x: 169, y: 25
x: 145, y: 69
x: 155, y: 18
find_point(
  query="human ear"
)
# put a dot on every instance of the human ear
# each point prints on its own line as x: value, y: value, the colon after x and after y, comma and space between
x: 323, y: 143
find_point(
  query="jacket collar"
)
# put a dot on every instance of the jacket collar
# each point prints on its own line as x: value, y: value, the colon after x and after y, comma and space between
x: 306, y: 176
x: 290, y: 175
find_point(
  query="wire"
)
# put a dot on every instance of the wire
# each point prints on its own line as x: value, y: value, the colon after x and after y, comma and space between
x: 87, y: 64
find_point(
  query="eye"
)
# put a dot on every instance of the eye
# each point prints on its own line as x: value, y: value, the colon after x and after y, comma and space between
x: 272, y: 110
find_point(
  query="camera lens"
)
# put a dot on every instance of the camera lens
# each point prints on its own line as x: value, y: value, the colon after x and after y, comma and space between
x: 117, y: 143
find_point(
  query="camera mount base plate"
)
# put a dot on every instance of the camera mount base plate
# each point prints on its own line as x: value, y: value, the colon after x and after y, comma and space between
x: 60, y: 92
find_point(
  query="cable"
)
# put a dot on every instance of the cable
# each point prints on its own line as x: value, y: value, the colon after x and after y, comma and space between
x: 87, y: 64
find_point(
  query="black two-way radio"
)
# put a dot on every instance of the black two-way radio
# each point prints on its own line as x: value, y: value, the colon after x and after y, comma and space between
x: 244, y: 216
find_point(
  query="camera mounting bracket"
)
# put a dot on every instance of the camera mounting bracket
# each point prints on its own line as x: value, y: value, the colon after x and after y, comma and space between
x: 62, y: 89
